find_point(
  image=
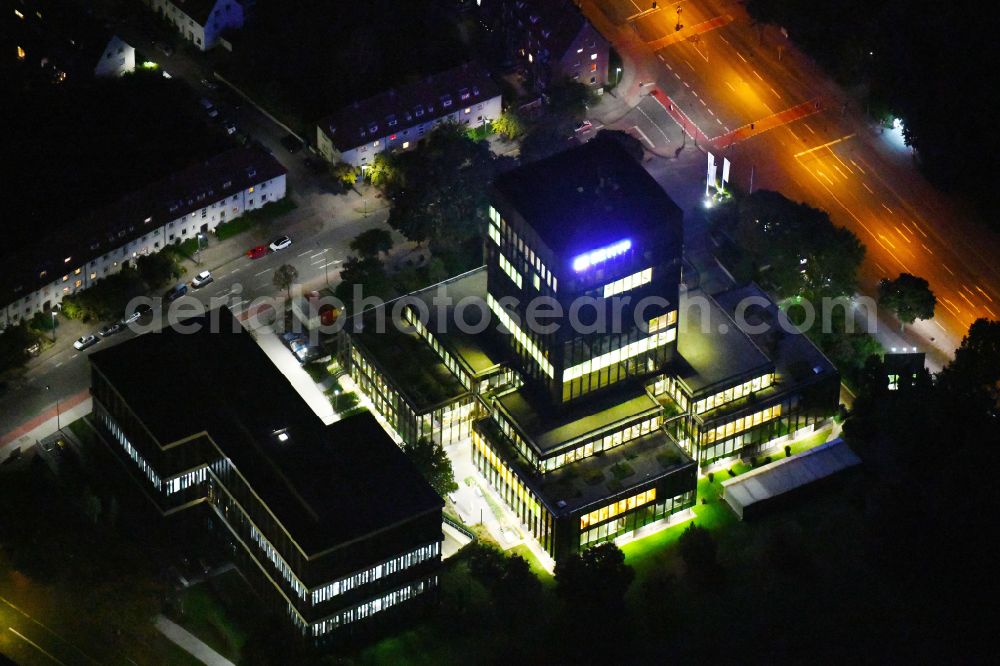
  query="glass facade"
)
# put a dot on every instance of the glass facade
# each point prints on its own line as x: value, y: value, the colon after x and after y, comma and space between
x: 632, y: 519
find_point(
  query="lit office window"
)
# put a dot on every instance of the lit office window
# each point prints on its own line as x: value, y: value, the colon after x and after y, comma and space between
x: 617, y: 508
x: 628, y: 283
x: 520, y: 335
x: 511, y: 272
x: 663, y: 321
x: 622, y: 354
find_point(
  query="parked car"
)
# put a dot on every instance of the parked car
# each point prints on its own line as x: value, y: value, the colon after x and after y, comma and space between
x: 211, y: 85
x: 209, y: 107
x: 583, y: 126
x: 175, y: 292
x: 201, y: 279
x: 229, y: 126
x: 291, y: 143
x: 84, y: 342
x: 111, y: 329
x: 280, y: 243
x: 140, y: 311
x: 257, y: 252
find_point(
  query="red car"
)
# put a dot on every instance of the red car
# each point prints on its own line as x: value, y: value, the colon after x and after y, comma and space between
x: 257, y: 252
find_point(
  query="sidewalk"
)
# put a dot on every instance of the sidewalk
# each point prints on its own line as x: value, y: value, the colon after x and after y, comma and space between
x: 190, y: 643
x: 43, y: 425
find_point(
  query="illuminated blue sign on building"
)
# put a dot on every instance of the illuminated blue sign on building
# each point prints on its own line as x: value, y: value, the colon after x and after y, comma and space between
x: 594, y: 257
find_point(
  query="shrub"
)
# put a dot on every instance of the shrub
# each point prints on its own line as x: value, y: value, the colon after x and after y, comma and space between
x: 731, y: 472
x: 711, y: 477
x: 788, y: 450
x: 767, y: 460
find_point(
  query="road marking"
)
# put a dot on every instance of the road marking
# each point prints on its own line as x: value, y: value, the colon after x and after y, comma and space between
x: 857, y: 165
x: 866, y: 187
x: 723, y: 39
x: 304, y: 253
x: 643, y: 135
x: 687, y: 84
x: 951, y: 306
x: 881, y: 267
x: 905, y: 226
x: 59, y: 363
x: 688, y: 63
x: 677, y: 75
x: 992, y: 314
x: 902, y: 235
x: 318, y: 254
x: 948, y: 269
x: 887, y: 208
x: 794, y: 134
x: 928, y: 249
x: 34, y: 645
x: 980, y: 290
x: 825, y: 145
x: 702, y: 102
x: 694, y: 93
x: 266, y: 270
x: 660, y: 56
x: 886, y: 239
x: 234, y: 271
x: 741, y: 56
x: 813, y: 131
x: 757, y: 75
x: 730, y: 86
x: 225, y: 293
x: 775, y: 92
x: 824, y: 176
x: 712, y: 112
x: 660, y: 129
x: 668, y: 65
x: 720, y: 122
x: 840, y: 172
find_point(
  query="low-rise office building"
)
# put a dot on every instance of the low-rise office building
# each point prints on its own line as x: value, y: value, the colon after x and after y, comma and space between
x: 397, y: 119
x: 200, y: 22
x: 591, y: 431
x: 333, y: 525
x: 170, y: 211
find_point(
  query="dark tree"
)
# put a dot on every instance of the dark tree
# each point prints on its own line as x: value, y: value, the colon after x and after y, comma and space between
x: 434, y: 464
x: 595, y: 580
x: 369, y: 274
x: 372, y: 243
x: 158, y: 269
x: 909, y: 297
x: 285, y: 277
x: 631, y: 144
x: 700, y: 553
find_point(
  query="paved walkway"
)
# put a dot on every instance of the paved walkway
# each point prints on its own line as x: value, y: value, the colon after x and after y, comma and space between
x: 190, y: 643
x: 45, y: 424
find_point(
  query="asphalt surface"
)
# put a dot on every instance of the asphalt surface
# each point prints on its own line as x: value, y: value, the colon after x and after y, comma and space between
x: 751, y: 96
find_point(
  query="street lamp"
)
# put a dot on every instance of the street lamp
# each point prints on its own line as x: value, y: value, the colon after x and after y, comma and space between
x: 53, y: 312
x: 197, y: 253
x: 618, y: 75
x: 58, y: 426
x: 678, y: 26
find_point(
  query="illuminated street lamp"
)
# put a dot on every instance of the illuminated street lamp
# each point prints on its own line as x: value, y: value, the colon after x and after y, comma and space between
x: 618, y: 75
x: 678, y: 26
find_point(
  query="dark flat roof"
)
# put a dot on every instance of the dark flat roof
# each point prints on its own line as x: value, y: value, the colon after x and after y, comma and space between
x: 548, y: 430
x: 795, y: 357
x: 714, y: 351
x: 589, y: 197
x: 594, y: 480
x: 325, y: 484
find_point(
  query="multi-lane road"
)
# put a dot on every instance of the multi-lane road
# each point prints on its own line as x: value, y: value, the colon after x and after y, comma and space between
x: 745, y: 92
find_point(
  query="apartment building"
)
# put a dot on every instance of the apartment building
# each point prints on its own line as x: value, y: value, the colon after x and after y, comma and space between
x: 200, y: 22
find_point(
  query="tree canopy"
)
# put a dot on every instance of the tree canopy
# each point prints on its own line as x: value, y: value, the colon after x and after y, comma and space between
x: 435, y: 466
x: 909, y: 297
x: 594, y: 580
x: 372, y: 243
x: 795, y: 249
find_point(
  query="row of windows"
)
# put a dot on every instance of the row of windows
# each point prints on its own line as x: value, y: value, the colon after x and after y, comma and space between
x: 512, y: 433
x: 449, y: 360
x: 615, y: 508
x: 387, y: 568
x: 742, y: 423
x: 734, y: 393
x: 531, y: 260
x: 506, y: 474
x: 631, y: 521
x: 668, y: 384
x: 509, y: 270
x: 144, y: 466
x: 278, y: 561
x: 374, y: 606
x: 520, y: 335
x: 618, y: 355
x: 663, y: 321
x: 608, y: 441
x: 187, y: 480
x: 628, y: 283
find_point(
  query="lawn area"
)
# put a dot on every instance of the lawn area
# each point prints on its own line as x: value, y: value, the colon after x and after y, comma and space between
x: 203, y: 610
x: 536, y: 566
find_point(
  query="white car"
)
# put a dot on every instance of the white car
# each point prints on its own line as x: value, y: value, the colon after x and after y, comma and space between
x: 201, y: 279
x: 84, y: 342
x: 280, y: 243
